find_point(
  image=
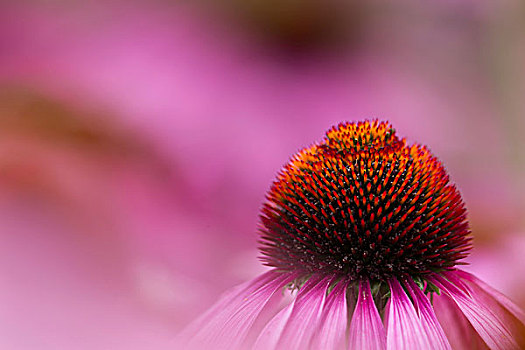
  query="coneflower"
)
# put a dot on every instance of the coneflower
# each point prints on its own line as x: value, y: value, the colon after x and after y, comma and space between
x: 363, y: 234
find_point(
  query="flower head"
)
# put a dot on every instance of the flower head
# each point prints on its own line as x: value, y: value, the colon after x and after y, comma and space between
x: 366, y: 231
x: 364, y: 204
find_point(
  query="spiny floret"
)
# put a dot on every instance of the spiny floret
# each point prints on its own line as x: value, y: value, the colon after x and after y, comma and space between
x: 362, y: 136
x: 364, y: 204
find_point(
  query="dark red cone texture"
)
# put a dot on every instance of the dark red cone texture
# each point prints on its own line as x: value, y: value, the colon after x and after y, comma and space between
x: 364, y: 204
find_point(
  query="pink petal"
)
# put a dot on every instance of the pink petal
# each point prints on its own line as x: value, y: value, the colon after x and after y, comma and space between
x: 427, y: 317
x: 491, y: 329
x: 366, y: 328
x: 404, y: 330
x: 508, y: 317
x: 332, y: 327
x: 502, y: 299
x: 459, y: 331
x: 269, y: 336
x: 296, y: 324
x: 228, y: 322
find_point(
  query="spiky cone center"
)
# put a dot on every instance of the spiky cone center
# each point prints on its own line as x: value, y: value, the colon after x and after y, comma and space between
x: 364, y: 204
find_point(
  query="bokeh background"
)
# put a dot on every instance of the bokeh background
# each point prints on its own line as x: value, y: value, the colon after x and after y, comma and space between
x: 138, y: 138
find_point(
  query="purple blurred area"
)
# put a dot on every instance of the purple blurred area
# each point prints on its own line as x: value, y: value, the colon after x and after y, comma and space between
x: 138, y: 138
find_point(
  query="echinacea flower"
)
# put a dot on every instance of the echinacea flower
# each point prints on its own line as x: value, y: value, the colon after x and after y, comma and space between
x: 363, y: 233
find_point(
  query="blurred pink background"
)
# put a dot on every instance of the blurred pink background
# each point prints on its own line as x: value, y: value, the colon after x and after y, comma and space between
x: 138, y: 138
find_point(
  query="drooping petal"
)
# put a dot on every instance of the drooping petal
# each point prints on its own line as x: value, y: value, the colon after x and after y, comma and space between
x: 227, y: 323
x: 296, y: 324
x: 366, y: 329
x: 270, y: 335
x: 502, y: 299
x: 509, y: 318
x: 332, y: 327
x: 431, y: 327
x: 459, y: 331
x: 404, y: 331
x: 490, y: 328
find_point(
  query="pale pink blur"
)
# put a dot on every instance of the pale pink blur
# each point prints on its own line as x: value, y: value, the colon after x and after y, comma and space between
x: 137, y: 140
